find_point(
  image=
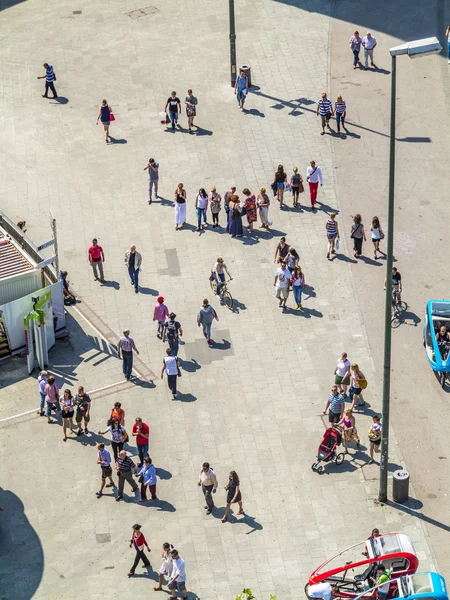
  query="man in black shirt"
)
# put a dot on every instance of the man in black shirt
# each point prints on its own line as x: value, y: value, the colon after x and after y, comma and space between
x: 396, y: 283
x: 174, y: 105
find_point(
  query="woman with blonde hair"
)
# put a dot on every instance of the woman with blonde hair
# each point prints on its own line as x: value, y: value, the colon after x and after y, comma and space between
x: 377, y: 236
x: 180, y: 206
x: 263, y: 203
x: 348, y: 425
x: 332, y: 229
x: 358, y: 383
x: 296, y: 186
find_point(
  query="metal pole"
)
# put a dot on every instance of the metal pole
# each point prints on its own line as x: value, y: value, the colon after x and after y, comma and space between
x: 382, y: 493
x: 56, y: 247
x: 232, y: 45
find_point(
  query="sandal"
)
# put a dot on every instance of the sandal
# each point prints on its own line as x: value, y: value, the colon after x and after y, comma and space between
x: 224, y: 519
x: 241, y: 512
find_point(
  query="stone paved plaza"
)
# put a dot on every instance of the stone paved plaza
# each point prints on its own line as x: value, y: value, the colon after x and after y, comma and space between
x: 254, y: 401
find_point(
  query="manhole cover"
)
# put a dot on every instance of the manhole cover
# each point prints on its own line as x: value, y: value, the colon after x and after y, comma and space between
x: 143, y: 12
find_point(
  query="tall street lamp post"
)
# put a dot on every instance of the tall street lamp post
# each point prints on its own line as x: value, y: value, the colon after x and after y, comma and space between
x: 232, y: 44
x: 413, y: 49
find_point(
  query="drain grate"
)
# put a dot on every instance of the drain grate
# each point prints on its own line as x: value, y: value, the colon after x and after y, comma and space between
x: 143, y: 12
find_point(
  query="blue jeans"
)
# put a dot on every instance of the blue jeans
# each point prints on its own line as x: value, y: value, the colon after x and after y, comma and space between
x: 48, y: 409
x: 173, y: 117
x: 298, y: 290
x: 207, y: 330
x: 222, y: 280
x: 340, y: 117
x: 134, y: 276
x: 201, y: 212
x: 142, y: 451
x: 355, y: 58
x: 241, y: 96
x: 127, y: 363
x: 173, y: 345
x: 42, y: 403
x: 160, y: 327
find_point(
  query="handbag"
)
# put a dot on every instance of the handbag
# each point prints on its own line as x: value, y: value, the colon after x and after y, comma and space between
x: 274, y: 188
x: 352, y: 235
x: 167, y: 119
x: 140, y: 478
x: 381, y: 235
x: 178, y: 372
x: 362, y: 383
x: 125, y: 437
x: 111, y: 117
x: 301, y: 189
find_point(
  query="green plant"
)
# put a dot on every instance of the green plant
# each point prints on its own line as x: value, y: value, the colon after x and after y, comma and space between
x: 247, y: 594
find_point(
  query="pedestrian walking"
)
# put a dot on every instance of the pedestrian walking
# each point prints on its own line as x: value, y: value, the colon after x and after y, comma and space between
x: 141, y: 432
x: 104, y: 460
x: 358, y: 383
x: 369, y: 43
x: 160, y: 314
x: 133, y: 261
x: 208, y: 482
x: 153, y: 178
x: 296, y: 186
x: 280, y: 182
x: 357, y: 234
x: 292, y: 259
x: 263, y: 204
x: 177, y: 583
x: 118, y: 435
x: 233, y: 495
x: 118, y: 413
x: 83, y: 404
x: 174, y: 105
x: 180, y: 206
x: 125, y: 468
x: 218, y: 273
x: 171, y: 366
x: 313, y: 177
x: 355, y: 46
x: 166, y: 567
x: 201, y: 205
x: 281, y: 283
x: 105, y: 115
x: 96, y: 258
x: 140, y: 543
x: 298, y: 285
x: 172, y: 331
x: 447, y: 35
x: 51, y: 397
x: 348, y: 426
x: 42, y: 382
x: 335, y: 406
x: 215, y: 202
x: 125, y: 347
x: 281, y: 251
x: 67, y: 411
x: 147, y: 478
x: 340, y: 110
x: 377, y: 236
x: 241, y: 88
x: 50, y: 78
x: 325, y: 110
x: 226, y: 203
x: 250, y: 208
x: 374, y: 437
x: 205, y: 317
x: 235, y: 216
x: 332, y: 229
x: 191, y: 109
x: 342, y: 374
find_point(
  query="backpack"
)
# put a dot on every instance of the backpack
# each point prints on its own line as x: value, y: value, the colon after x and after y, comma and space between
x: 171, y: 330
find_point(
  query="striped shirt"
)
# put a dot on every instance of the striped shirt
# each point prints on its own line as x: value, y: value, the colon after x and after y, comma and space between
x: 336, y: 403
x: 49, y: 75
x: 340, y: 107
x: 126, y: 343
x: 325, y: 106
x: 331, y: 228
x: 126, y: 464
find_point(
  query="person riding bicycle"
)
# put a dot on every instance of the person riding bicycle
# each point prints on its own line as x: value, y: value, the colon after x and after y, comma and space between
x: 396, y: 285
x: 219, y: 275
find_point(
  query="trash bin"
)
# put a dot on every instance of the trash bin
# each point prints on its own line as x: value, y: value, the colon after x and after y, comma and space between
x: 400, y: 486
x: 248, y: 73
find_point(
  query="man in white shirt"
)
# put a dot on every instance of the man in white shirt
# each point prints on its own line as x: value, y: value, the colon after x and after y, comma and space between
x: 177, y: 581
x: 313, y: 177
x: 319, y: 590
x: 281, y: 282
x: 369, y: 43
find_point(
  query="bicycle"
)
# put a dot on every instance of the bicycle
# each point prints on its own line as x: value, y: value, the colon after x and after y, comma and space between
x: 397, y: 307
x: 225, y: 296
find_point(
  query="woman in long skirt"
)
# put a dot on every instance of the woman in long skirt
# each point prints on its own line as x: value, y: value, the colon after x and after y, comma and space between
x: 236, y: 229
x: 180, y: 206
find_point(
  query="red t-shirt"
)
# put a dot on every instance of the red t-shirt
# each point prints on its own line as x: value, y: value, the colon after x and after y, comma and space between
x: 139, y: 438
x: 95, y: 252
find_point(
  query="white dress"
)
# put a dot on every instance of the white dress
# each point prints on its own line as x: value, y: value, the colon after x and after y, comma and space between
x: 180, y: 213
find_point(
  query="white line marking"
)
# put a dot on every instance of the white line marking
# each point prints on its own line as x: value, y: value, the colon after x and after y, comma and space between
x: 28, y: 412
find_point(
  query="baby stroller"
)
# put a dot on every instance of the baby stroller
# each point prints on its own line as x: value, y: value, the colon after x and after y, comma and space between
x: 326, y: 452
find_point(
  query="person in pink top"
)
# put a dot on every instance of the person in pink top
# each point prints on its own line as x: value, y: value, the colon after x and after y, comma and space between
x: 51, y: 396
x: 160, y: 314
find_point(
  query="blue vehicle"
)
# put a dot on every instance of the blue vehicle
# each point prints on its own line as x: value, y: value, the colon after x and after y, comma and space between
x: 436, y: 318
x: 419, y: 586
